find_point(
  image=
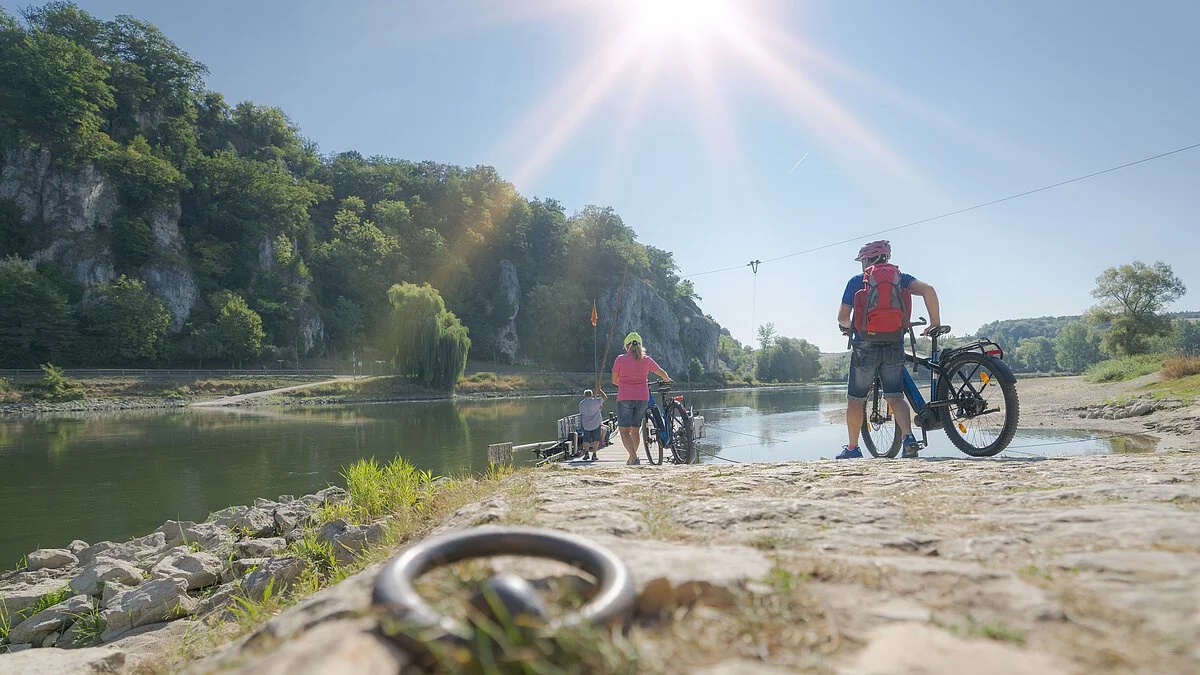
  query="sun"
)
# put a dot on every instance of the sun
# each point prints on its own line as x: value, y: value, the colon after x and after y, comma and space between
x: 681, y: 19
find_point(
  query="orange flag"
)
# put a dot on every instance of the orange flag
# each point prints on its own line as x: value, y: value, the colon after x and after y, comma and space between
x: 594, y: 316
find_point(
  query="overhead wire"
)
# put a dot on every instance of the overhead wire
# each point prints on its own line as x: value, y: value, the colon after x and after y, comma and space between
x: 948, y: 214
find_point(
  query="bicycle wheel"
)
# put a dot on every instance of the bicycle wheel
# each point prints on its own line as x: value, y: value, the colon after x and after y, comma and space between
x: 650, y: 442
x: 982, y: 416
x: 880, y: 433
x: 682, y: 443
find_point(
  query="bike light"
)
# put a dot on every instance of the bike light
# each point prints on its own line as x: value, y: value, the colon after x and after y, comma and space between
x: 678, y: 398
x: 994, y: 352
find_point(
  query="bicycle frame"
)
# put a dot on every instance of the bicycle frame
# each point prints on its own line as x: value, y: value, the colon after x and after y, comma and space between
x: 928, y: 414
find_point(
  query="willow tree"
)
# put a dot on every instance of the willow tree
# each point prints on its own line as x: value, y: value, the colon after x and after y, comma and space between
x: 427, y: 341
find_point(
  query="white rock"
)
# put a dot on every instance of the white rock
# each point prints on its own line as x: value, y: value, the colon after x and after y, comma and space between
x: 279, y: 573
x: 60, y: 661
x: 103, y: 570
x: 152, y: 602
x: 51, y: 620
x: 16, y: 599
x: 50, y: 558
x: 259, y: 548
x: 199, y: 570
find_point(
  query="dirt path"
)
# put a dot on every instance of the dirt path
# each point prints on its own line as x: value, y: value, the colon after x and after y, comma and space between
x: 240, y: 398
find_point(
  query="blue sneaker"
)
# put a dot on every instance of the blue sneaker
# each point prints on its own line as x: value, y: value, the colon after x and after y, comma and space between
x: 911, y: 447
x: 849, y: 453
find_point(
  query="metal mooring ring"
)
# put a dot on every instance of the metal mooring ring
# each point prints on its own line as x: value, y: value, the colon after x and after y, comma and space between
x: 394, y: 589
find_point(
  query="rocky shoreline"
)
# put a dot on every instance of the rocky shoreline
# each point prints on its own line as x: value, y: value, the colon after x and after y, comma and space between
x: 84, y: 595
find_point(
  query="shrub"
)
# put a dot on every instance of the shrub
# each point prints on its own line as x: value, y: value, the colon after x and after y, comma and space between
x: 1124, y: 368
x: 9, y: 393
x: 1176, y: 367
x: 58, y: 387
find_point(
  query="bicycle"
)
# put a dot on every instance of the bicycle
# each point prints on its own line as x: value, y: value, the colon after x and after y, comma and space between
x: 978, y: 419
x: 670, y: 430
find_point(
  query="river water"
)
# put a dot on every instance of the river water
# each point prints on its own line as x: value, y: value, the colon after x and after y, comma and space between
x: 117, y: 475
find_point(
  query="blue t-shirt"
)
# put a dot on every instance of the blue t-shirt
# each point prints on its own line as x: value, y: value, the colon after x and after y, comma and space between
x: 856, y: 282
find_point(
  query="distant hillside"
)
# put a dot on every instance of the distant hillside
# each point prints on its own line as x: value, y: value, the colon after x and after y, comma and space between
x: 1009, y: 332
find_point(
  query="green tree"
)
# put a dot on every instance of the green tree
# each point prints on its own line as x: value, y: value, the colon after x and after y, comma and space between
x: 555, y: 325
x: 1131, y: 298
x: 52, y: 94
x: 695, y: 369
x: 123, y: 324
x: 737, y: 358
x: 788, y: 360
x: 427, y: 341
x: 1077, y: 347
x: 766, y: 335
x: 239, y: 329
x: 132, y: 242
x: 36, y: 324
x: 1037, y: 353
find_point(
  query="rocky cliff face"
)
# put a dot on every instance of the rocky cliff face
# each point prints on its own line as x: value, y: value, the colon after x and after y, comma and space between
x: 507, y: 343
x: 76, y: 208
x: 674, y: 331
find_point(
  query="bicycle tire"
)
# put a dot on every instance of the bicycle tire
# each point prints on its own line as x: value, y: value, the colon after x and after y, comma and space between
x: 968, y: 380
x: 682, y: 443
x: 880, y: 431
x: 650, y: 440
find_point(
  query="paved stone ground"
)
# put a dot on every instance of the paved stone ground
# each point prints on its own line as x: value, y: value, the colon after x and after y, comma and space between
x: 1064, y: 565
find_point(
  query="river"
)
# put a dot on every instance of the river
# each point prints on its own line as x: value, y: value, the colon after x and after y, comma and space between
x: 116, y: 475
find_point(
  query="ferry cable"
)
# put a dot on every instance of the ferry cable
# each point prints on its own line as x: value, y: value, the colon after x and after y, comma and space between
x: 1026, y: 193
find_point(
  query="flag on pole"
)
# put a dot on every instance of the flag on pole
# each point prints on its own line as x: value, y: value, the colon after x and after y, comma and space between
x: 594, y: 315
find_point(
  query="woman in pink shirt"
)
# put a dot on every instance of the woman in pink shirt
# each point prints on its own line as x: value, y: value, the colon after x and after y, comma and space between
x: 630, y: 373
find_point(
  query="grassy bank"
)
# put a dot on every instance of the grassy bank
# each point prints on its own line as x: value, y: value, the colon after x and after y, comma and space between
x: 58, y: 387
x: 407, y: 501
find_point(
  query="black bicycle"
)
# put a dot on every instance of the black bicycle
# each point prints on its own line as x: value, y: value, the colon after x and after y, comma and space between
x: 669, y: 427
x: 974, y: 399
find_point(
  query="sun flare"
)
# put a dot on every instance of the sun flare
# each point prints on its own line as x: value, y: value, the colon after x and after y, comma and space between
x: 681, y: 19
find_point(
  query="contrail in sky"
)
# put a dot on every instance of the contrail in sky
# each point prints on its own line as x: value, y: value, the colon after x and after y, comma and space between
x: 797, y: 164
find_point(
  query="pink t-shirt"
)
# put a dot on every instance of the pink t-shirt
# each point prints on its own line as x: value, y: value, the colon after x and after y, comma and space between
x: 631, y: 377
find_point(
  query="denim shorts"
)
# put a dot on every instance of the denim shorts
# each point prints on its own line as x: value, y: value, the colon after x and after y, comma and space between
x: 589, y: 435
x: 868, y: 359
x: 631, y: 413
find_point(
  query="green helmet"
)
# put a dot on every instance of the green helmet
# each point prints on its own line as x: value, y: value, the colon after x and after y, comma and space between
x: 633, y: 337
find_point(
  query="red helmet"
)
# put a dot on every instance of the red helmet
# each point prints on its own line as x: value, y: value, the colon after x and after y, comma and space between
x: 875, y: 249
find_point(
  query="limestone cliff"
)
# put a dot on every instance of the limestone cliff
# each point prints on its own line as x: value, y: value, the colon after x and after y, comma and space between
x: 74, y: 207
x: 675, y: 330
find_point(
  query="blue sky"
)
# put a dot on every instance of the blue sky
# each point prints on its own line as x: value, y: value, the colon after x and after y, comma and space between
x: 691, y: 129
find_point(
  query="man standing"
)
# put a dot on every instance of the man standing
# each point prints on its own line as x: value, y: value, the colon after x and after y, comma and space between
x: 879, y: 301
x: 591, y: 414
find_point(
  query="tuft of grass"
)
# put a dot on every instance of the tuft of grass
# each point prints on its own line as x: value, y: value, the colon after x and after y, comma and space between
x: 251, y: 612
x: 8, y: 392
x: 318, y: 554
x: 1123, y: 368
x: 89, y: 626
x: 1177, y: 367
x: 377, y: 490
x: 48, y: 600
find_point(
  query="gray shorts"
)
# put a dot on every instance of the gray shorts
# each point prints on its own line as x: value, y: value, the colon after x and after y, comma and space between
x: 631, y: 413
x: 868, y: 359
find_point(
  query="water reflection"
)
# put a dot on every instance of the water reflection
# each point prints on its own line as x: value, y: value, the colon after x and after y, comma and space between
x: 114, y: 475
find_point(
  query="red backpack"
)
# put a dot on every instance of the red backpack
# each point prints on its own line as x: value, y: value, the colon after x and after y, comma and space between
x: 881, y: 307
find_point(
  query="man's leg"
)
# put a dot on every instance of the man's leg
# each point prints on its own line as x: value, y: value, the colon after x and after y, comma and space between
x: 855, y: 411
x: 891, y: 379
x: 858, y: 382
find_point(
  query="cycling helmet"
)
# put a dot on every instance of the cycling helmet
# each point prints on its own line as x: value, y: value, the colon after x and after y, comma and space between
x: 875, y: 249
x: 633, y: 337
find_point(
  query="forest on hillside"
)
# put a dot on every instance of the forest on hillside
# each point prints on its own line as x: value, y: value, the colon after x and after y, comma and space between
x: 291, y: 252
